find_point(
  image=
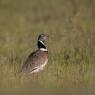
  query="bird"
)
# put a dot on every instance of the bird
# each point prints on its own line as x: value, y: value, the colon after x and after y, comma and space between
x: 38, y: 59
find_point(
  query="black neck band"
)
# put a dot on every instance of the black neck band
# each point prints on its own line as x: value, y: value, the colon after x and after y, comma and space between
x: 41, y: 45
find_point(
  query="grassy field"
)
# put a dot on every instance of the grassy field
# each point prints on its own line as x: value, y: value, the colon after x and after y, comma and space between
x: 70, y: 25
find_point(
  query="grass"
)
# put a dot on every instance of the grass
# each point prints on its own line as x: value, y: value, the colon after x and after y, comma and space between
x: 70, y: 25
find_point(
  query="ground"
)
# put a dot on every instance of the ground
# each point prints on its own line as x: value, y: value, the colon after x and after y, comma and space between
x: 70, y: 25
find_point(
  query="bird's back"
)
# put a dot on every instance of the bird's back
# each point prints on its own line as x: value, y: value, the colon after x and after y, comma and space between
x: 35, y: 60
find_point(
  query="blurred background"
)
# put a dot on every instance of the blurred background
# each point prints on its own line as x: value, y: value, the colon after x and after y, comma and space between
x: 70, y: 25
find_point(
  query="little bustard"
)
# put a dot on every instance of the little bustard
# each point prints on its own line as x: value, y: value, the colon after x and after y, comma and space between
x: 37, y: 60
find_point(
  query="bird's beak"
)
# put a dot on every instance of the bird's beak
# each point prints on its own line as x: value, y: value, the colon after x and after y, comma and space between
x: 47, y: 35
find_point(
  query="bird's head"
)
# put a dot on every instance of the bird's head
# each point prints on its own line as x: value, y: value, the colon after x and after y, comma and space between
x: 42, y: 37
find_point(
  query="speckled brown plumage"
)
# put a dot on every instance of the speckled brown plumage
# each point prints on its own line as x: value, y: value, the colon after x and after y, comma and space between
x: 34, y: 60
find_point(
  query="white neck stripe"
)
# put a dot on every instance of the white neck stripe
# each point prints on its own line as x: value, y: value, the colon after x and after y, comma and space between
x: 41, y: 42
x: 42, y: 49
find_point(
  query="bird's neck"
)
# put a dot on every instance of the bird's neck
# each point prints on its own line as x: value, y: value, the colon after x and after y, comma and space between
x: 41, y: 45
